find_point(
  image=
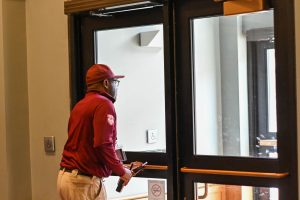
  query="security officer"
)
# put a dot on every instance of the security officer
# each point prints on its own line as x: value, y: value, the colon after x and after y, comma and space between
x: 89, y: 153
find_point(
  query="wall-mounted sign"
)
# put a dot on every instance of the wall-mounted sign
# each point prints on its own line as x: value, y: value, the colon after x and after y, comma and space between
x: 156, y: 190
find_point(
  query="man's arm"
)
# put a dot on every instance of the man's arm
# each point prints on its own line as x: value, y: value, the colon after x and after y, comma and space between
x: 104, y: 139
x: 112, y: 161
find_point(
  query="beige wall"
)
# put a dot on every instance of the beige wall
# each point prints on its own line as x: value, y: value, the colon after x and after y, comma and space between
x: 48, y: 90
x: 16, y: 96
x: 3, y: 163
x: 34, y: 96
x: 14, y: 89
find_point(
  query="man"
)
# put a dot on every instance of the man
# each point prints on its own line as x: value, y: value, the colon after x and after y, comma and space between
x: 89, y: 153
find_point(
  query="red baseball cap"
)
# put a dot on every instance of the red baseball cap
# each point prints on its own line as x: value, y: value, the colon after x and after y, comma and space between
x: 99, y: 72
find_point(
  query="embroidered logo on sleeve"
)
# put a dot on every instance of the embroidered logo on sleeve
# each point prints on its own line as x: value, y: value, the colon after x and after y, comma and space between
x: 110, y: 119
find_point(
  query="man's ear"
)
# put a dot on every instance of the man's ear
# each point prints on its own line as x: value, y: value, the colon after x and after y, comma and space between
x: 105, y: 83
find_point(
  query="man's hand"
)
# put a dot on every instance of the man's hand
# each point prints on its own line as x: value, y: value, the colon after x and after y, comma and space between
x: 134, y: 166
x: 126, y: 177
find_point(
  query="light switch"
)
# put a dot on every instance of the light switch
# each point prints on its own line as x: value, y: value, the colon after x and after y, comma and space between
x: 49, y: 144
x: 152, y: 136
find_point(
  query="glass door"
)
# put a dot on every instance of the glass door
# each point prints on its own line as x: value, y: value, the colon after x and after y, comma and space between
x: 232, y: 134
x: 132, y: 43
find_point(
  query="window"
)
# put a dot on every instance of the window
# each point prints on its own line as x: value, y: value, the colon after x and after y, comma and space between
x: 138, y: 53
x: 224, y: 109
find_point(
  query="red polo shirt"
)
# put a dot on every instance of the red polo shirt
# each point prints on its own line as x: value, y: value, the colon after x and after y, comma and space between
x: 90, y: 147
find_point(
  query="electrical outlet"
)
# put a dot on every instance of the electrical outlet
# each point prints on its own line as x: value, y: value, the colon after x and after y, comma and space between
x: 49, y: 144
x: 152, y: 136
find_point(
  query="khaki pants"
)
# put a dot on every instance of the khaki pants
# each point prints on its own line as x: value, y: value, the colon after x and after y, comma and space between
x: 71, y: 186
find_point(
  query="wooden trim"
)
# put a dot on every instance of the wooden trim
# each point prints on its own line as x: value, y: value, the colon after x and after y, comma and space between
x: 268, y: 143
x: 76, y: 6
x: 241, y: 6
x: 153, y: 167
x: 156, y: 167
x: 234, y: 173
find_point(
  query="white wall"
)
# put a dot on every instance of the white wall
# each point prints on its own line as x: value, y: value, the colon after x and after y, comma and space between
x: 243, y: 89
x: 220, y: 60
x: 207, y: 87
x: 254, y: 21
x: 140, y: 103
x: 229, y: 83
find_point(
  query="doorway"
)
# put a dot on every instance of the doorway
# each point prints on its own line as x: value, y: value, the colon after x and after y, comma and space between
x: 204, y: 100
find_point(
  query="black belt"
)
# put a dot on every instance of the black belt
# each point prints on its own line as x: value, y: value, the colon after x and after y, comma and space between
x: 78, y: 173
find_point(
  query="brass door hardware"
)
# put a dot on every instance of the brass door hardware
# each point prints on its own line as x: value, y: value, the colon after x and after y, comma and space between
x: 234, y: 173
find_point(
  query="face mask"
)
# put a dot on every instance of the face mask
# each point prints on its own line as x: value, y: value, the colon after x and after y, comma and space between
x: 113, y: 87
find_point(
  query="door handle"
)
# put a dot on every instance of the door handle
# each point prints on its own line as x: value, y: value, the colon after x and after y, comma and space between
x: 152, y: 167
x: 156, y: 167
x: 205, y: 192
x: 234, y: 173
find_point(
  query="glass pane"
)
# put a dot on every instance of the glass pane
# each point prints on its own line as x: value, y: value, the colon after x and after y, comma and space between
x: 234, y: 85
x: 137, y: 188
x: 234, y: 192
x: 137, y: 53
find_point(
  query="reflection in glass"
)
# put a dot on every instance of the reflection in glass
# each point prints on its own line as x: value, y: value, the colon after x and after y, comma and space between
x: 137, y: 188
x: 234, y: 85
x: 209, y: 191
x: 137, y: 53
